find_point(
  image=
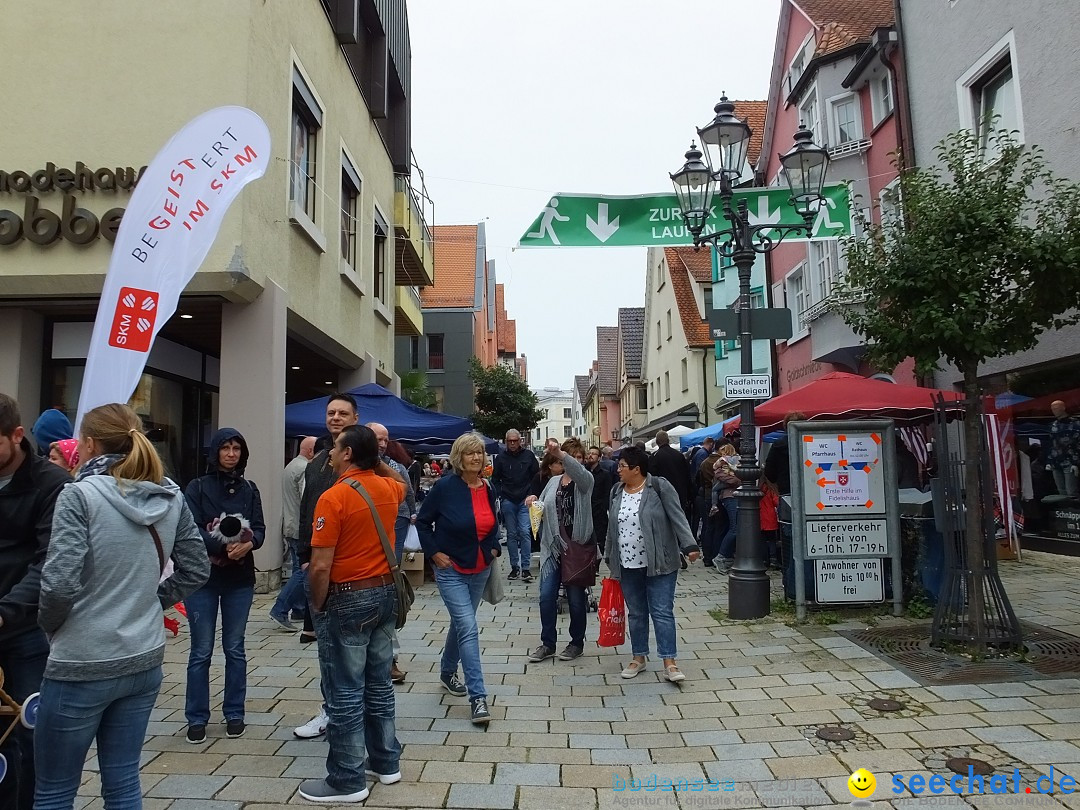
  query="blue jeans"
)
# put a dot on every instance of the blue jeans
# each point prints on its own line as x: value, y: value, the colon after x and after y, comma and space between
x: 291, y: 597
x: 461, y: 593
x: 355, y: 655
x: 401, y: 529
x: 22, y: 659
x: 115, y: 712
x: 518, y: 534
x: 727, y: 542
x: 646, y: 597
x: 202, y: 609
x: 550, y: 580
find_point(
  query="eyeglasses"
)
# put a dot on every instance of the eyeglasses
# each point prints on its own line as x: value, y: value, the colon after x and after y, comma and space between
x: 513, y: 441
x: 622, y: 465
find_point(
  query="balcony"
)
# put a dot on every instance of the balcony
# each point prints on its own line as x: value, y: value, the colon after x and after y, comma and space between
x: 849, y: 148
x: 414, y: 213
x: 408, y: 320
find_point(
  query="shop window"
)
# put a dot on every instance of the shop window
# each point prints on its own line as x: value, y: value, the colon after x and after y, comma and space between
x: 307, y: 119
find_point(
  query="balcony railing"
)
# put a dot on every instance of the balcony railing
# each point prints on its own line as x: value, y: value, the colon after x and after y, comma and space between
x: 849, y: 148
x: 423, y: 207
x: 435, y: 362
x: 829, y: 304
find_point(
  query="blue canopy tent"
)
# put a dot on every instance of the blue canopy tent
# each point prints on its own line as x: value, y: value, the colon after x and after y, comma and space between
x: 712, y: 431
x: 418, y: 429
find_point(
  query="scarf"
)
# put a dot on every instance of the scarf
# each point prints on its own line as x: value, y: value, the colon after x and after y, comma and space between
x: 99, y: 465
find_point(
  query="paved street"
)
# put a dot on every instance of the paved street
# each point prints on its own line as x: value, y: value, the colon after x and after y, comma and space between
x: 564, y: 733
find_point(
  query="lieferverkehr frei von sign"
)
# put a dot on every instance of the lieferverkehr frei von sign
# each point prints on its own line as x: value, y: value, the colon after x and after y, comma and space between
x: 591, y: 220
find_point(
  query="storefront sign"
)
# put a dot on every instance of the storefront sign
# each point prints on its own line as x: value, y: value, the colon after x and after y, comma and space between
x: 172, y: 221
x: 76, y: 225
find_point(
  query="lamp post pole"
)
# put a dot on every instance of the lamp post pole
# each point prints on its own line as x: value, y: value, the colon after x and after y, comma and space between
x: 725, y: 140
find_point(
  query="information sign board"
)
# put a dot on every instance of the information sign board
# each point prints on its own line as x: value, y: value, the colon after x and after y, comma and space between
x: 843, y: 538
x: 858, y: 580
x: 748, y: 386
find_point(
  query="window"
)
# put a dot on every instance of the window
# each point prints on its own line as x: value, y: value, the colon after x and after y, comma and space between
x: 567, y: 413
x: 844, y: 124
x: 808, y: 112
x: 642, y: 398
x: 566, y: 432
x: 881, y: 97
x: 350, y: 197
x: 824, y: 260
x: 669, y: 324
x: 889, y: 205
x: 659, y: 339
x: 414, y: 352
x: 661, y: 276
x: 798, y: 295
x: 997, y: 107
x: 989, y: 95
x: 435, y: 352
x: 799, y: 63
x: 306, y: 122
x: 667, y: 386
x: 378, y: 257
x: 685, y: 376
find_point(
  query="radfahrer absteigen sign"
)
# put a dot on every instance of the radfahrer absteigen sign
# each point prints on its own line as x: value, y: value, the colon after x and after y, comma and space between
x: 591, y: 220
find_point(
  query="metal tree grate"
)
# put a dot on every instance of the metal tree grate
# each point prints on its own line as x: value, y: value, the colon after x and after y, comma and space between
x: 1049, y: 654
x: 957, y: 618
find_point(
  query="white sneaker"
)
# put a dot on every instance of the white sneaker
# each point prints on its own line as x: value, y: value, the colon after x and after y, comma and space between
x: 315, y: 727
x: 386, y: 778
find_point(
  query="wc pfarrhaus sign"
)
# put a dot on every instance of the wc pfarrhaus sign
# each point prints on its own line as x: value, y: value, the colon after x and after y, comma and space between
x: 37, y: 222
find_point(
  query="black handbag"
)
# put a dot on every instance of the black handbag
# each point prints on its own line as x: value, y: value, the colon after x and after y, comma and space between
x: 404, y: 589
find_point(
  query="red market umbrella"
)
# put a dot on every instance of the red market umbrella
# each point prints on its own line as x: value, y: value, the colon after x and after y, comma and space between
x: 840, y: 395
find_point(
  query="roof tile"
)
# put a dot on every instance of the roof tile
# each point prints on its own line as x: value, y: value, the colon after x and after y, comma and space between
x: 632, y: 337
x: 753, y: 112
x: 685, y: 266
x: 581, y: 383
x: 607, y: 355
x: 846, y: 22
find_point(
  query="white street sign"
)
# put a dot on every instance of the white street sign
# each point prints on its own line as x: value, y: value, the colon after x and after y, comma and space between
x: 851, y: 580
x: 748, y: 386
x: 843, y: 538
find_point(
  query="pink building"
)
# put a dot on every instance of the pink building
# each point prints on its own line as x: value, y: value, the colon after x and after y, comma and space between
x: 835, y: 70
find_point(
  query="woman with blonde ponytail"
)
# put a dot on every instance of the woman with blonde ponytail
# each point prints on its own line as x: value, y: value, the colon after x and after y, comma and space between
x: 113, y: 530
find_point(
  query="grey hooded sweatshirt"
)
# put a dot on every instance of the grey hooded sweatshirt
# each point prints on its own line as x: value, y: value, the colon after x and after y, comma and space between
x: 101, y: 601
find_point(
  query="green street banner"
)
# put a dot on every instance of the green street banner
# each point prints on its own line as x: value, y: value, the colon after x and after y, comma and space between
x: 590, y: 220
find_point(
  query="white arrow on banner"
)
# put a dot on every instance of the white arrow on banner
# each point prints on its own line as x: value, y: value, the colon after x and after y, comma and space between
x: 600, y: 227
x: 171, y: 221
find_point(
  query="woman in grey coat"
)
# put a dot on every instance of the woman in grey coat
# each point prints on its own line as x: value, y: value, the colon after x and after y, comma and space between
x: 567, y: 501
x: 647, y: 531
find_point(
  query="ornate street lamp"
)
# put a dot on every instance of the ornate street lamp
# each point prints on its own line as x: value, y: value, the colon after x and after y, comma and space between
x: 725, y: 140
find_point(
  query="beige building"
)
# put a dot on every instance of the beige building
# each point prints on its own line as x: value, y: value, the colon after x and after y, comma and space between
x: 315, y: 266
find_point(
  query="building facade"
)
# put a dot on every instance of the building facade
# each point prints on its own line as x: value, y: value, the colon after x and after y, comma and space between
x: 298, y: 295
x: 459, y: 317
x: 557, y: 406
x: 834, y: 70
x: 633, y: 390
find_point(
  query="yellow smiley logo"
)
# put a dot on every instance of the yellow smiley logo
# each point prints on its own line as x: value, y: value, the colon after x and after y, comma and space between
x: 861, y: 784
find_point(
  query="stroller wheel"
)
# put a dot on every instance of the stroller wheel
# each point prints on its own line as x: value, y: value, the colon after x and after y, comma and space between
x: 28, y: 715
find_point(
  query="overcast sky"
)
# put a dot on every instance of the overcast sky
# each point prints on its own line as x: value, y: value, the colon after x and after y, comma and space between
x: 513, y: 101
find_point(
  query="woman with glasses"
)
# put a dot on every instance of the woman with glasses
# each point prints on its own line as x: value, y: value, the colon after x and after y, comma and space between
x: 647, y: 531
x: 460, y: 535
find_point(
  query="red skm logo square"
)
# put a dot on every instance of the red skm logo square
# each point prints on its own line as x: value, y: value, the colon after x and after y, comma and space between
x: 133, y: 321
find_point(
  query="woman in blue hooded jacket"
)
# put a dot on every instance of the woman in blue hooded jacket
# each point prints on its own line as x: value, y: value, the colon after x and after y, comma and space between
x: 228, y: 511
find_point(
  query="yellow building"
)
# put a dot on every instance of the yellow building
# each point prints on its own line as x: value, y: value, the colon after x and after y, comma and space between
x: 313, y: 271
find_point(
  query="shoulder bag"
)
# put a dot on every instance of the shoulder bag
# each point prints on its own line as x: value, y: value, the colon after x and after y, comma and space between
x: 405, y: 595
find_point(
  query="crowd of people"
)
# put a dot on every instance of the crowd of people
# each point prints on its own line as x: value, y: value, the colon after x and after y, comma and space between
x: 97, y: 541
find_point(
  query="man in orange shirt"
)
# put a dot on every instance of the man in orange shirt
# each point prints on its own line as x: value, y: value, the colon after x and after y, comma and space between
x: 352, y: 595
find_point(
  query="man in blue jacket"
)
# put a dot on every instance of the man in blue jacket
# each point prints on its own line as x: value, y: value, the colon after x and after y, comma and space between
x: 511, y: 475
x: 29, y: 484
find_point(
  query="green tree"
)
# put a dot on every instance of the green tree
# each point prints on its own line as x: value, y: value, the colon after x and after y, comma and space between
x: 503, y: 400
x: 414, y: 389
x: 985, y: 259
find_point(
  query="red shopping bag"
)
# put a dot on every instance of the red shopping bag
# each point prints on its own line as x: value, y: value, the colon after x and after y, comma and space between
x: 612, y: 612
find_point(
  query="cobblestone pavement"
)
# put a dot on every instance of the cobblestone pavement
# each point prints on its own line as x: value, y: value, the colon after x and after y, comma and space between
x: 566, y: 734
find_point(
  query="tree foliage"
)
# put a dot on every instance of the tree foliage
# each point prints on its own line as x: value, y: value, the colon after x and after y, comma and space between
x: 414, y: 389
x: 985, y: 259
x: 503, y: 400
